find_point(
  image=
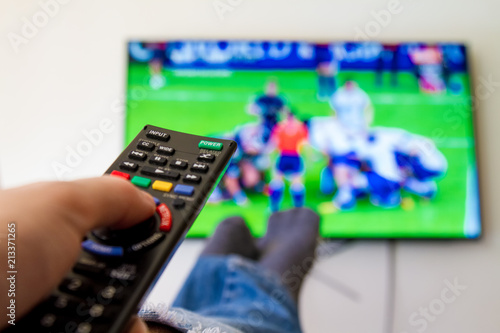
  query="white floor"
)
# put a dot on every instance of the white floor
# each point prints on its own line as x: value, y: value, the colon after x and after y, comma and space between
x: 70, y: 75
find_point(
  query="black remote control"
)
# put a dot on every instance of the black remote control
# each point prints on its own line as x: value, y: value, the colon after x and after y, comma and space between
x: 117, y: 268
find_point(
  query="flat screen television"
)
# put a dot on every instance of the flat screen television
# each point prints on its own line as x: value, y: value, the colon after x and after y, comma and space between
x: 377, y: 138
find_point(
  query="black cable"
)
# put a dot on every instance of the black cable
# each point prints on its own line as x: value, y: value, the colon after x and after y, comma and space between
x: 336, y: 285
x: 335, y: 247
x: 327, y: 248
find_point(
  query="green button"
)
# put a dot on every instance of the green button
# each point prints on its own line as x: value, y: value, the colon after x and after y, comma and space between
x: 141, y: 181
x: 210, y: 145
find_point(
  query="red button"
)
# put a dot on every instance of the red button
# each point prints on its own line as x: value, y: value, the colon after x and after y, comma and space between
x: 165, y: 217
x: 120, y: 174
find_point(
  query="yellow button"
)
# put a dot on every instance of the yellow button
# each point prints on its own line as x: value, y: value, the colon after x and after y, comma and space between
x: 162, y: 186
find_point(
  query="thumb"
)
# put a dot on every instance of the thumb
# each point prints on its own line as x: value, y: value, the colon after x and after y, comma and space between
x: 109, y: 201
x: 138, y: 326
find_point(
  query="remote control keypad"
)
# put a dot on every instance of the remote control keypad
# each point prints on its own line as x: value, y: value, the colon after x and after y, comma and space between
x: 91, y: 296
x: 152, y: 171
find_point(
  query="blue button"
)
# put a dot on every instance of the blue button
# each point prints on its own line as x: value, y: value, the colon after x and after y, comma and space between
x: 157, y: 201
x: 184, y: 190
x: 102, y: 250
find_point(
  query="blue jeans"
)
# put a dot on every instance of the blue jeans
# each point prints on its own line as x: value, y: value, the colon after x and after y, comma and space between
x: 230, y: 294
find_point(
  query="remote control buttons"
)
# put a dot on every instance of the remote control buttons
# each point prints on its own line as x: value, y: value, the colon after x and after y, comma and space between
x: 189, y: 178
x: 158, y: 160
x: 63, y: 304
x: 89, y: 266
x: 179, y: 203
x: 165, y: 217
x: 206, y: 157
x: 199, y: 167
x: 184, y: 190
x: 147, y: 243
x: 125, y: 272
x: 120, y: 174
x: 158, y: 135
x: 102, y: 250
x: 61, y: 324
x: 49, y: 320
x: 162, y: 186
x: 84, y: 328
x: 127, y: 236
x: 52, y: 323
x: 157, y: 172
x: 210, y: 145
x: 75, y: 286
x: 178, y: 164
x: 160, y: 173
x: 141, y: 181
x: 138, y: 155
x: 157, y: 201
x: 97, y: 311
x: 145, y: 145
x: 172, y: 175
x: 108, y: 294
x: 129, y: 166
x: 164, y: 150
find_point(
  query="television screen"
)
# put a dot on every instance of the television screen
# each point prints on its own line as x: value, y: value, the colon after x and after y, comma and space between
x: 376, y: 138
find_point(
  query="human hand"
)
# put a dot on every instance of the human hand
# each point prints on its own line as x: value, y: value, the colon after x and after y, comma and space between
x: 51, y: 220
